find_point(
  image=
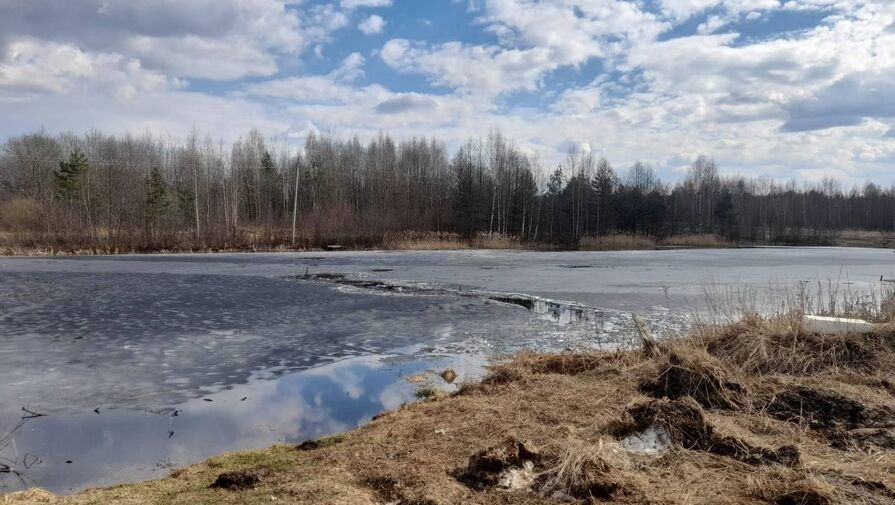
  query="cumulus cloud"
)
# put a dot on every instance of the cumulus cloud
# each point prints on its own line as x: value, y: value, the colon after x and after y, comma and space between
x: 609, y: 74
x: 210, y: 39
x: 846, y: 102
x: 31, y: 65
x: 334, y: 87
x: 372, y: 25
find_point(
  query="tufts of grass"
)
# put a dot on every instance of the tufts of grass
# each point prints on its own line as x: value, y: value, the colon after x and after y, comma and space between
x: 426, y: 392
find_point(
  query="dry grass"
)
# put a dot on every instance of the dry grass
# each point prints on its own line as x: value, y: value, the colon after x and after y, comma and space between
x: 263, y: 240
x: 696, y: 241
x: 864, y: 238
x: 19, y: 214
x: 429, y: 241
x: 633, y: 242
x: 616, y: 242
x: 432, y: 241
x: 752, y: 417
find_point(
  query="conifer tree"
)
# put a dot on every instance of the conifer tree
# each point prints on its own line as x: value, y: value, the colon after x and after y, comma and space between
x: 67, y: 179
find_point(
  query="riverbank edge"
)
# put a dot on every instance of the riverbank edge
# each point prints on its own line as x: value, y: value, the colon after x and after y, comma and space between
x: 608, y: 244
x: 698, y: 419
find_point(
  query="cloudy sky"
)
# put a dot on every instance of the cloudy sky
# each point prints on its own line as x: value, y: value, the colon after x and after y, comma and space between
x: 789, y: 88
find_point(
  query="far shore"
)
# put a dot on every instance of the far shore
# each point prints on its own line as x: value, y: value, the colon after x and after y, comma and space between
x: 10, y: 245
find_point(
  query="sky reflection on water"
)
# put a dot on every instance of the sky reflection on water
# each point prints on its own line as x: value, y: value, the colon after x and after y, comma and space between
x: 123, y: 445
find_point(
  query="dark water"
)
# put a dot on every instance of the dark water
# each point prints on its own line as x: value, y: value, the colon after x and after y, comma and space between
x: 285, y: 357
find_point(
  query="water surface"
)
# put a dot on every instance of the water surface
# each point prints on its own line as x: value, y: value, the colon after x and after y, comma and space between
x: 124, y: 353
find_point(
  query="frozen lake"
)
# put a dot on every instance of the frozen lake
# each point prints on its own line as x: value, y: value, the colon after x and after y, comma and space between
x: 144, y: 362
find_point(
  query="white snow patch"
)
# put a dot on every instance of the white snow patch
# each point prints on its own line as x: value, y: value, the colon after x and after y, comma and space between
x: 653, y: 441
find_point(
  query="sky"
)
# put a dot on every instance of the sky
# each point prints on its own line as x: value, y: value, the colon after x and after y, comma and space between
x: 792, y: 89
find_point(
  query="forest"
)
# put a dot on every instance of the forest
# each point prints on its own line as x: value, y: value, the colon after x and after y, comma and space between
x: 149, y: 193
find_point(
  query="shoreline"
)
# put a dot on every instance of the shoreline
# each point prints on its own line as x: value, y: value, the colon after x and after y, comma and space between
x: 696, y: 419
x: 20, y: 252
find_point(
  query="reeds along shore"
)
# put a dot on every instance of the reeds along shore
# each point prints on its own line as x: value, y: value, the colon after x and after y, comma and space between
x: 19, y: 244
x: 752, y: 412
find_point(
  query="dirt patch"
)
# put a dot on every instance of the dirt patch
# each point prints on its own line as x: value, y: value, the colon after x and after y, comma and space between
x: 816, y: 408
x: 308, y: 445
x: 863, y: 439
x: 684, y: 423
x: 499, y: 465
x: 236, y: 481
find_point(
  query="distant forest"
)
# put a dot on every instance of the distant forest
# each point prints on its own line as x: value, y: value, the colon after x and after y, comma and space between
x: 141, y: 193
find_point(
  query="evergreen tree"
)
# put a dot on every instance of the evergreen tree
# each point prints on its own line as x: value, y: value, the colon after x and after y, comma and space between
x: 158, y: 199
x: 604, y: 184
x: 67, y: 179
x: 725, y: 215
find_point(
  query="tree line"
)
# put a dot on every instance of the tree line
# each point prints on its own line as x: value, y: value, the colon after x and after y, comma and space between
x: 152, y: 192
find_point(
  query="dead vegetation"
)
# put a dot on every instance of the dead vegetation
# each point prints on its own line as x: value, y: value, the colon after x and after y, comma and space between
x: 616, y: 242
x: 634, y: 242
x: 739, y: 414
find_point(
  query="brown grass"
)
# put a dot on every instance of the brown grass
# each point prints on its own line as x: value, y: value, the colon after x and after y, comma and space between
x: 19, y: 214
x: 432, y: 241
x: 633, y: 242
x: 752, y: 416
x: 864, y: 238
x: 696, y: 241
x: 616, y: 242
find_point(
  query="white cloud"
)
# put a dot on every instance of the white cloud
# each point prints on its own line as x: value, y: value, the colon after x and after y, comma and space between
x: 536, y: 37
x: 372, y: 25
x: 684, y: 9
x: 483, y: 70
x: 334, y: 87
x: 353, y: 4
x: 210, y: 39
x: 36, y: 66
x: 195, y: 57
x: 804, y: 103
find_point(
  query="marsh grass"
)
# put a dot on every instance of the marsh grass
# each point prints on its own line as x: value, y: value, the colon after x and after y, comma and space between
x: 704, y: 240
x: 616, y: 242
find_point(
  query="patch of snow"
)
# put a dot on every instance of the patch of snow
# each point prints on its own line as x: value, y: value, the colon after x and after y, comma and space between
x: 518, y: 478
x: 653, y: 441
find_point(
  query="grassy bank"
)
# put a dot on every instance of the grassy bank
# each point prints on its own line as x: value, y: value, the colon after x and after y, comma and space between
x: 261, y: 240
x: 753, y: 412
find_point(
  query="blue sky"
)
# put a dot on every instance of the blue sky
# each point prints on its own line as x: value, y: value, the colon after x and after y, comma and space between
x: 792, y: 89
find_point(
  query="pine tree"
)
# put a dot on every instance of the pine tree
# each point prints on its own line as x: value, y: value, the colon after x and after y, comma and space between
x: 67, y: 179
x: 268, y: 187
x: 726, y: 217
x: 158, y: 198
